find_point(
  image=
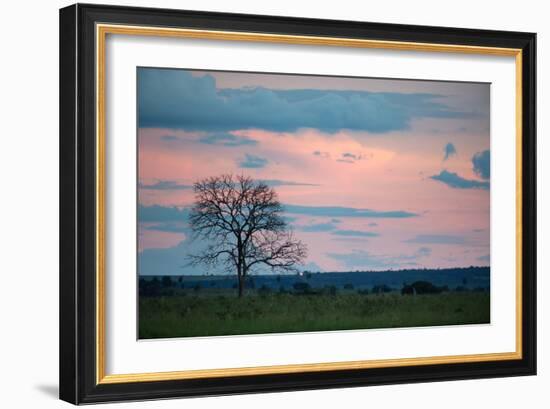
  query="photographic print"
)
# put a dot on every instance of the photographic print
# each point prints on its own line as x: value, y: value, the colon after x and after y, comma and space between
x: 291, y: 190
x: 279, y: 203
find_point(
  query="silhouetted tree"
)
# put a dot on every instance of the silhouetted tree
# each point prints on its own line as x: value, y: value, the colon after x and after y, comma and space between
x: 166, y: 281
x: 242, y: 220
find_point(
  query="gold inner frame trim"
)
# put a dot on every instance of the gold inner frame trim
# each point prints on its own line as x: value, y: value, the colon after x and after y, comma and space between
x: 101, y: 33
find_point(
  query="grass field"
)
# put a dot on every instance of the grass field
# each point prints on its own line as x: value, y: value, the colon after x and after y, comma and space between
x: 222, y: 313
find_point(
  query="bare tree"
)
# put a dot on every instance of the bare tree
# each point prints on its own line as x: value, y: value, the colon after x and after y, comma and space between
x: 242, y: 220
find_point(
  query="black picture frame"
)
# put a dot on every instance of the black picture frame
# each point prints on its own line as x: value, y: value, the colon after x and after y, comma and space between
x: 78, y: 357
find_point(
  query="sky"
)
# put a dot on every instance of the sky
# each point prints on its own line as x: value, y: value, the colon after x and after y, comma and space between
x: 374, y: 174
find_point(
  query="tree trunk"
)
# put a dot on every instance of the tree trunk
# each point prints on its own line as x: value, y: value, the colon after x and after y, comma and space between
x: 240, y: 269
x: 241, y: 285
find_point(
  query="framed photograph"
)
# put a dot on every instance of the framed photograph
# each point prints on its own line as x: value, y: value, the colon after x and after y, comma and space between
x: 257, y: 203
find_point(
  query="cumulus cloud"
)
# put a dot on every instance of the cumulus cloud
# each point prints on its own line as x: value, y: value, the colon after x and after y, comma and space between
x: 170, y: 227
x: 157, y: 213
x: 455, y: 181
x: 176, y: 99
x: 424, y: 251
x: 321, y: 154
x: 170, y: 138
x: 277, y: 182
x: 216, y: 138
x: 173, y: 260
x: 338, y: 211
x: 252, y: 162
x: 227, y: 139
x: 449, y: 150
x: 482, y: 164
x: 164, y: 185
x: 348, y: 157
x: 318, y: 227
x: 355, y: 233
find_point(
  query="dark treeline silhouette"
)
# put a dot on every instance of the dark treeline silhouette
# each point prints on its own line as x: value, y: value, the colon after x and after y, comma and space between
x: 407, y: 282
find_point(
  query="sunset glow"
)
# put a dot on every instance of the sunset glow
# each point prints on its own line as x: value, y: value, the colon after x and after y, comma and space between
x: 374, y: 174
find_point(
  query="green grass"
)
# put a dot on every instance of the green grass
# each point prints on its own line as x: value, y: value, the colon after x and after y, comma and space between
x: 216, y: 312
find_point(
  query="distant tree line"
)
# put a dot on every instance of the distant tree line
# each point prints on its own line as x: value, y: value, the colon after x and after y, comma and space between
x: 168, y: 286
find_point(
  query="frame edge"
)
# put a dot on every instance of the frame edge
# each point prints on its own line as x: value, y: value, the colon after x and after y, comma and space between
x: 68, y: 337
x: 529, y: 205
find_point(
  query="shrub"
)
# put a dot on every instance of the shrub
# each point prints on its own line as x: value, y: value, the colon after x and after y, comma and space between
x: 301, y: 288
x: 423, y: 287
x: 380, y: 289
